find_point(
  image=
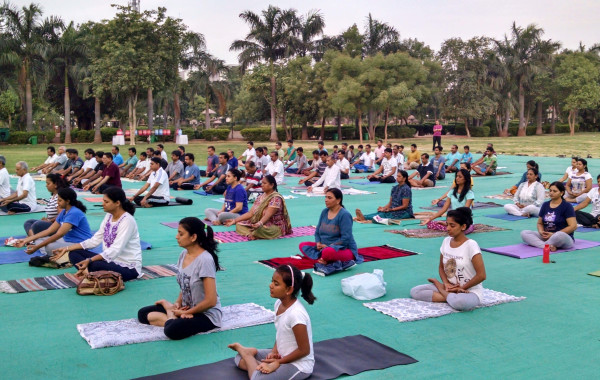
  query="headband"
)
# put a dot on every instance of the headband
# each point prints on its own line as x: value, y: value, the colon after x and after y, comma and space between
x: 292, y: 273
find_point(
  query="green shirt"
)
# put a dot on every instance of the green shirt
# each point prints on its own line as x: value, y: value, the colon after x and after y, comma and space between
x: 491, y: 161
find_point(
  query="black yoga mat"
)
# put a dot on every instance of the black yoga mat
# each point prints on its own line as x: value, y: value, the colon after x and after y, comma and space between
x: 179, y: 201
x: 331, y: 361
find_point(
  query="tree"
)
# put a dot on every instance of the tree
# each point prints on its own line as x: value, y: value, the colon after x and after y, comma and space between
x: 526, y: 54
x: 26, y: 37
x: 65, y: 53
x: 271, y: 38
x: 8, y: 105
x: 380, y: 37
x: 310, y: 27
x: 579, y: 77
x: 208, y: 80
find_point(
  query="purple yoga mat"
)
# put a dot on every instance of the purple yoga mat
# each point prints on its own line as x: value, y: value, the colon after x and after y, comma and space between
x: 524, y: 251
x: 175, y: 225
x: 233, y: 237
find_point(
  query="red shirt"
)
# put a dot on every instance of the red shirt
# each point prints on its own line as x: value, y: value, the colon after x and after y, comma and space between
x: 113, y: 172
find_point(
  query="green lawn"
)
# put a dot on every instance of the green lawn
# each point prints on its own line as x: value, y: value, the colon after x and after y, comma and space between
x: 552, y: 334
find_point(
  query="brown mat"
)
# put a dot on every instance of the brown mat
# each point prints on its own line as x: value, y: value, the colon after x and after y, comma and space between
x: 423, y: 233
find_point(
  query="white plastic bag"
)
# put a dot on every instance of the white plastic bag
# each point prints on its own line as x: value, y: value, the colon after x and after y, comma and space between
x: 364, y: 286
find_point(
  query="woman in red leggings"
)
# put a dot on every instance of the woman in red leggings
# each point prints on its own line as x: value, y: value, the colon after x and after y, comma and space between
x: 333, y: 236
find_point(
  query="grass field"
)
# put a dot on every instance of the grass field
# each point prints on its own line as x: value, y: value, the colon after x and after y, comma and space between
x: 581, y: 144
x: 552, y: 334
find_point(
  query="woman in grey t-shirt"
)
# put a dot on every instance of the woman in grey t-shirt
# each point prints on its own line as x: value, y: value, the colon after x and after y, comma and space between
x: 198, y: 308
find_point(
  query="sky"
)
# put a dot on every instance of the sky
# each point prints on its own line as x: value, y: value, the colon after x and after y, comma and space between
x: 430, y: 21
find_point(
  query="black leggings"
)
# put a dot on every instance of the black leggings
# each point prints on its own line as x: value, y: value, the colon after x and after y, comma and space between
x: 389, y: 179
x: 153, y: 200
x: 586, y: 219
x: 79, y: 255
x: 438, y: 140
x: 179, y: 328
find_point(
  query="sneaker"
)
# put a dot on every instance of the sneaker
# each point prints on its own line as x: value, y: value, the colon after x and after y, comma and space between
x: 348, y: 264
x: 327, y: 269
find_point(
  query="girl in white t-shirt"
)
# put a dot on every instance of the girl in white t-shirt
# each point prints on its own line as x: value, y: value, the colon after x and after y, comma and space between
x: 570, y: 170
x: 461, y: 267
x: 579, y: 183
x: 292, y: 357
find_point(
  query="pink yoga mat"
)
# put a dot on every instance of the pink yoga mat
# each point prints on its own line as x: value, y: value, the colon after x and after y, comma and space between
x: 175, y: 225
x: 524, y: 251
x: 233, y: 237
x: 94, y: 200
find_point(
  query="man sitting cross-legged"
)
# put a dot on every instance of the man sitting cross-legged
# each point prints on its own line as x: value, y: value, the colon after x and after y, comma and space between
x: 158, y: 182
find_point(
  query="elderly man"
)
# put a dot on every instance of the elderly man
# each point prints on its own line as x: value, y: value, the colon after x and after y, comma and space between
x: 59, y: 163
x: 275, y: 168
x: 24, y: 200
x: 4, y: 179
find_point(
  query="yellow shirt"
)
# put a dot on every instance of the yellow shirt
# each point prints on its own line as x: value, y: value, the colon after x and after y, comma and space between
x: 414, y: 156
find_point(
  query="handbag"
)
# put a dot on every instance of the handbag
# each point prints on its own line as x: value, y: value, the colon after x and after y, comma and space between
x: 101, y: 283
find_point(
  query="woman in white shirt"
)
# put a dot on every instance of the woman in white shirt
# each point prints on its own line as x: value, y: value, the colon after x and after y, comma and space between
x: 120, y: 239
x: 292, y: 356
x: 569, y: 170
x: 529, y: 196
x: 579, y: 183
x: 461, y: 267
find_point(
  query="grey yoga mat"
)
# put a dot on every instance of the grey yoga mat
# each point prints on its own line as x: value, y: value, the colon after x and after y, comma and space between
x: 331, y: 361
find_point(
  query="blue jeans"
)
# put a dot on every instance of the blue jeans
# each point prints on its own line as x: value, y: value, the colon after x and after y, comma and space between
x: 80, y: 255
x: 36, y: 225
x: 16, y: 207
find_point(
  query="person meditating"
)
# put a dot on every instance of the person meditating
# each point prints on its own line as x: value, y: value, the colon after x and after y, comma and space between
x: 461, y: 267
x: 333, y: 236
x: 236, y: 200
x: 589, y: 219
x: 530, y: 164
x: 529, y: 196
x: 292, y: 356
x: 158, y: 193
x: 556, y: 223
x: 579, y: 183
x: 24, y: 200
x: 400, y: 204
x: 330, y: 178
x: 268, y: 218
x: 118, y: 234
x: 386, y: 173
x: 71, y: 226
x: 54, y: 182
x: 198, y: 307
x: 461, y: 196
x: 570, y: 170
x: 425, y: 172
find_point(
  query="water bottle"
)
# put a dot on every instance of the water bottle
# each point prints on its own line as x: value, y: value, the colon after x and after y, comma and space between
x: 546, y: 257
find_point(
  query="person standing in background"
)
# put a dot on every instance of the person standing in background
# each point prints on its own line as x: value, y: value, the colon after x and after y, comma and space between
x: 437, y: 134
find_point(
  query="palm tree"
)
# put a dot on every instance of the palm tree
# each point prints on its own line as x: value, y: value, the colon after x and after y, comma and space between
x: 26, y: 38
x: 209, y: 80
x: 192, y: 54
x: 380, y: 37
x: 65, y: 54
x: 310, y: 27
x: 271, y: 38
x: 526, y: 54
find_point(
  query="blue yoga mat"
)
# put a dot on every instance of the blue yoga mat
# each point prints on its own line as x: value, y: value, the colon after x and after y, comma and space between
x: 364, y: 183
x: 200, y: 192
x: 586, y: 229
x: 507, y: 217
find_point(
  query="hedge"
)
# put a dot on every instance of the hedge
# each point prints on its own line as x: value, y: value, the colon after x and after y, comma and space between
x: 215, y: 134
x: 22, y: 137
x: 264, y: 133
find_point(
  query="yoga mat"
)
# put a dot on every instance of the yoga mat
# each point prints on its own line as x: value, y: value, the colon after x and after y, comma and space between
x: 233, y: 237
x: 495, y: 175
x: 68, y: 280
x: 130, y: 331
x: 365, y: 183
x: 293, y: 175
x: 175, y: 225
x: 200, y: 192
x: 376, y: 253
x: 365, y: 353
x: 408, y: 309
x: 427, y: 188
x: 596, y: 273
x: 524, y: 251
x: 94, y: 200
x: 2, y: 239
x: 423, y: 233
x: 349, y: 191
x: 476, y: 205
x: 499, y: 196
x: 586, y: 229
x: 508, y: 217
x: 171, y: 203
x: 37, y: 208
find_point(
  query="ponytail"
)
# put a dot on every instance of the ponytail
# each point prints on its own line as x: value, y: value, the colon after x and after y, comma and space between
x: 69, y: 195
x: 300, y: 281
x: 205, y: 237
x: 116, y: 194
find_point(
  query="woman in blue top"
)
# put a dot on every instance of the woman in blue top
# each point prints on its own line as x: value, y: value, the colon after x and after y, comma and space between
x: 461, y: 196
x: 556, y: 223
x: 400, y: 204
x: 236, y: 200
x: 70, y: 226
x: 333, y: 236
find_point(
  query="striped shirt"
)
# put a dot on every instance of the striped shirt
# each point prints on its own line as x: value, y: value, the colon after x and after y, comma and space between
x: 52, y: 207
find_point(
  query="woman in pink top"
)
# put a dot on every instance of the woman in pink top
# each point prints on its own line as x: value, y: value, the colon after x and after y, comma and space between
x: 437, y: 134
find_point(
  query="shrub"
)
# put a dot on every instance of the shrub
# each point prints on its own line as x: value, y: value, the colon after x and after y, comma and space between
x: 256, y: 134
x: 483, y: 131
x: 22, y: 137
x: 107, y: 133
x: 215, y: 134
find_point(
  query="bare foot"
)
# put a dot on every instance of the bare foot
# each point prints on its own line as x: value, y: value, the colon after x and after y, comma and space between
x: 359, y: 215
x: 321, y: 261
x: 525, y: 215
x: 251, y: 351
x: 552, y: 248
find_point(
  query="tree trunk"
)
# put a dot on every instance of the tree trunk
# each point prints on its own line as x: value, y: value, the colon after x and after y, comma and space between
x: 273, y: 109
x: 359, y: 118
x: 305, y: 131
x: 165, y: 113
x: 28, y: 104
x: 176, y: 109
x: 288, y: 131
x: 467, y: 127
x: 97, y: 134
x: 322, y: 128
x: 522, y: 125
x: 370, y: 117
x: 67, y: 111
x: 133, y: 123
x: 572, y: 118
x: 150, y: 109
x: 206, y: 114
x: 385, y: 125
x: 553, y: 121
x: 539, y: 114
x: 339, y: 125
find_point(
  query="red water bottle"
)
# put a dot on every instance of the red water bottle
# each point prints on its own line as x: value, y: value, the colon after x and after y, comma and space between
x: 546, y: 257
